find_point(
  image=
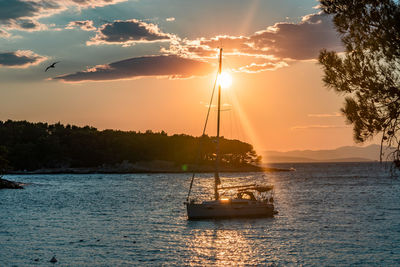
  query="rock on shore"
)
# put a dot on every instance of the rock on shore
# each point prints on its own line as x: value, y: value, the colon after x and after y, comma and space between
x: 6, y: 184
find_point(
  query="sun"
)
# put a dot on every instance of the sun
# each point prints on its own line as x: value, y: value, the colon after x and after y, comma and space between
x: 225, y: 80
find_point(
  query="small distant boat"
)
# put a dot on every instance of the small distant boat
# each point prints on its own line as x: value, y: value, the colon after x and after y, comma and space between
x: 250, y: 201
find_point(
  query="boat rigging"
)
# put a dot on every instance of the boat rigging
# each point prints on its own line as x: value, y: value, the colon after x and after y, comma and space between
x: 250, y: 200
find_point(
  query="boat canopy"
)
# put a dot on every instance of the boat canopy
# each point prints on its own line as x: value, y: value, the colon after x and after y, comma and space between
x: 260, y: 189
x: 264, y: 188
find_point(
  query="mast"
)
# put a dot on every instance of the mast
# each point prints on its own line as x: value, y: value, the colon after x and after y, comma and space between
x: 217, y: 181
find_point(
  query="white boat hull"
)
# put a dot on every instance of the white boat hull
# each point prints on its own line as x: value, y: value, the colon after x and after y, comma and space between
x: 217, y: 210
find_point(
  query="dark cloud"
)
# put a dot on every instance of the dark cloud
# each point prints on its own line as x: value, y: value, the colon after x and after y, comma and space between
x: 297, y: 41
x: 16, y: 9
x: 129, y: 31
x: 18, y: 14
x: 168, y: 66
x: 23, y: 14
x: 86, y: 25
x: 20, y: 59
x: 268, y: 49
x: 28, y: 24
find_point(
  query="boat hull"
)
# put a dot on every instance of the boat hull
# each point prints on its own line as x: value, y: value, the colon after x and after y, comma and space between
x: 199, y: 211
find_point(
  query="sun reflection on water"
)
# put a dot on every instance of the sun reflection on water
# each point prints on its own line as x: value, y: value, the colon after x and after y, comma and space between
x: 219, y: 247
x: 221, y: 243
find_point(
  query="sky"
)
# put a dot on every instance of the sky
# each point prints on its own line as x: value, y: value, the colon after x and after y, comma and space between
x: 142, y: 65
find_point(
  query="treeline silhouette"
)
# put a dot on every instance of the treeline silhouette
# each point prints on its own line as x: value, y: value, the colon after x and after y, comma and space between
x: 31, y: 146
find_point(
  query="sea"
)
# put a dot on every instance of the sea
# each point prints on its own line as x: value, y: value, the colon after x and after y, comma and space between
x: 330, y: 214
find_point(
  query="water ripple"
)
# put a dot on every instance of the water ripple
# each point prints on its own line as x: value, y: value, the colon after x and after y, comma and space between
x: 329, y: 214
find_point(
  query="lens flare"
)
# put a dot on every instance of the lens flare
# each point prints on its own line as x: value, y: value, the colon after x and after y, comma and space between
x: 225, y: 80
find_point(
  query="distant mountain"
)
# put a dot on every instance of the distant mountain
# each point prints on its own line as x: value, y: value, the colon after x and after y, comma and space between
x: 341, y: 154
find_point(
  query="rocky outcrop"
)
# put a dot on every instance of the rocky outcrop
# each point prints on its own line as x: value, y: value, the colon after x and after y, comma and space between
x: 5, y: 184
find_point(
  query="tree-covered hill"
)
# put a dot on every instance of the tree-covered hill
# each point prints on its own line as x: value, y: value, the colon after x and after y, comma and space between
x: 31, y: 146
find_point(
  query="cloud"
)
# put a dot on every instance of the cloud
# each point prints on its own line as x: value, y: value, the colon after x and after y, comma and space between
x: 305, y: 127
x: 283, y: 40
x: 4, y: 34
x: 92, y: 3
x: 301, y: 41
x: 86, y: 25
x: 129, y: 32
x: 238, y: 60
x: 207, y: 105
x: 170, y: 19
x: 163, y: 66
x: 331, y: 115
x: 24, y: 14
x: 317, y: 6
x: 255, y: 68
x: 269, y: 49
x: 20, y: 59
x: 27, y: 25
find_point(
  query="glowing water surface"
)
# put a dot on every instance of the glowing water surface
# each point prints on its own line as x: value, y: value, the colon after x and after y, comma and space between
x: 329, y: 214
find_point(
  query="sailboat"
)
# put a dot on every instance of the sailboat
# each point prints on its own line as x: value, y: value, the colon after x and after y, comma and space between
x: 250, y: 200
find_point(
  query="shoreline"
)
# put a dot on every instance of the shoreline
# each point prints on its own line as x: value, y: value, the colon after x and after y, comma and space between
x: 138, y: 171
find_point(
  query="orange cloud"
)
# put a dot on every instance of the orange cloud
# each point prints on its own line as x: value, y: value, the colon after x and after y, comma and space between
x: 4, y: 34
x: 305, y: 127
x: 324, y: 115
x: 255, y: 68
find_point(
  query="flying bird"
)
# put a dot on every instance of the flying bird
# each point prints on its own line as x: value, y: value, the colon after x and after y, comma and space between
x: 52, y: 66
